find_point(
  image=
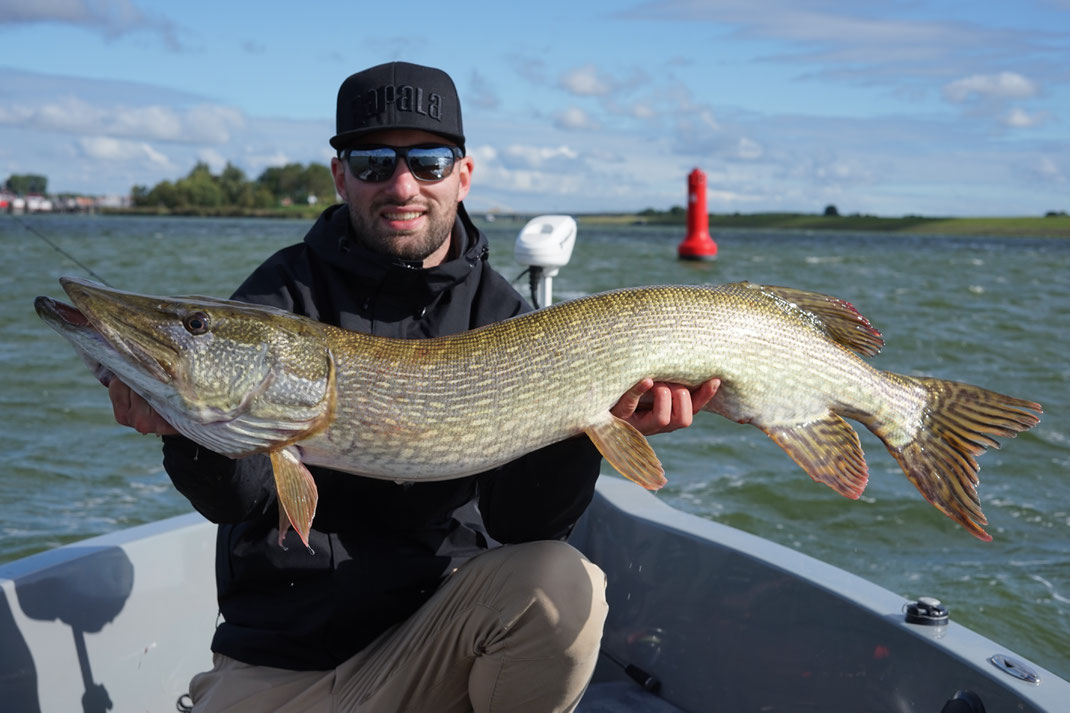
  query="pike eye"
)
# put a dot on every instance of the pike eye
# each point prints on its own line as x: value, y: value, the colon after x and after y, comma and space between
x: 196, y: 323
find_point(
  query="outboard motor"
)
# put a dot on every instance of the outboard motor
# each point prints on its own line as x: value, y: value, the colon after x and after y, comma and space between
x: 545, y: 245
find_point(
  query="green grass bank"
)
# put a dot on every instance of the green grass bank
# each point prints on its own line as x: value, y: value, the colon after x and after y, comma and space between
x: 1054, y: 226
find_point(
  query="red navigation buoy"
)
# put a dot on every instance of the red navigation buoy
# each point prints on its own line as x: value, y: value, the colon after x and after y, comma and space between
x: 698, y: 245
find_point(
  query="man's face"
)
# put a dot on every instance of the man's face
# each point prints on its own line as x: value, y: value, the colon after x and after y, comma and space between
x: 403, y: 217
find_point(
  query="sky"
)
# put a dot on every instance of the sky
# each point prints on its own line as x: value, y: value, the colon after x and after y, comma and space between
x: 911, y: 107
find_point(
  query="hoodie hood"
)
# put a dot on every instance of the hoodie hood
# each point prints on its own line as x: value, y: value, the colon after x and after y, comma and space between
x: 391, y: 283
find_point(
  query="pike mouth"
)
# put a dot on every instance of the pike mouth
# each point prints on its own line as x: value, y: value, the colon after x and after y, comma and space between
x: 67, y: 318
x: 54, y: 311
x: 71, y: 315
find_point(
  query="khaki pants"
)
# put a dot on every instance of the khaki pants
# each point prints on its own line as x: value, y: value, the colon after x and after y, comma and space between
x: 515, y: 629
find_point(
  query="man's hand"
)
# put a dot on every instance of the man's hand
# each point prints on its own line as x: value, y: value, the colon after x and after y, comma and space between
x: 659, y: 407
x: 134, y: 411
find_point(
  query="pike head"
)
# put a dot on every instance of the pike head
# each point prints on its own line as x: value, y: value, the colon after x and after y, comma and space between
x: 235, y: 377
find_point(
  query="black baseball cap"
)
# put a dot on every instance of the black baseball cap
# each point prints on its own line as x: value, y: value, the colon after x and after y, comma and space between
x: 397, y: 95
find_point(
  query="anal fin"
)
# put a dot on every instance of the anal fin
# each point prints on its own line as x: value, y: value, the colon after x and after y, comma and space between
x: 828, y: 450
x: 628, y: 451
x: 297, y: 494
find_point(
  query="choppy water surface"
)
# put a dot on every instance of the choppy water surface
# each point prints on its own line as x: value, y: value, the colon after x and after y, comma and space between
x: 993, y: 312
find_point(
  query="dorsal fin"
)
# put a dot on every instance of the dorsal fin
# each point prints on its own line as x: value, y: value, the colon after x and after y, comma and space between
x: 838, y: 318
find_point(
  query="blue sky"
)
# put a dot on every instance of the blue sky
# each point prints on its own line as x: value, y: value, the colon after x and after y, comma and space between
x: 933, y: 107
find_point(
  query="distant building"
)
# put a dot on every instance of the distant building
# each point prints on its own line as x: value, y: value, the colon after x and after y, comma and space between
x: 113, y: 202
x: 38, y: 204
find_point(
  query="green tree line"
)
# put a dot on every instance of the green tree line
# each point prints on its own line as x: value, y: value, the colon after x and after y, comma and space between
x: 289, y: 184
x: 25, y: 183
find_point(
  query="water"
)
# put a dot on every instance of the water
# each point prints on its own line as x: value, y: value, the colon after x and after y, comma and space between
x: 988, y: 311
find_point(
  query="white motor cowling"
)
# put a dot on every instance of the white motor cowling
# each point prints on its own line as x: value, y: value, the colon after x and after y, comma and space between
x: 545, y: 245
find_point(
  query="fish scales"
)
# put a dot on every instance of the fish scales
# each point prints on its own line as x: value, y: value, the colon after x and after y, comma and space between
x: 529, y: 369
x: 243, y: 379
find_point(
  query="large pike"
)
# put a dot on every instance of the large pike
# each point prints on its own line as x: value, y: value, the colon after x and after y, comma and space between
x: 242, y: 379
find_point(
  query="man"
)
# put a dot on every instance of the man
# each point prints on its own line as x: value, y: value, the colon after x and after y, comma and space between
x: 404, y: 604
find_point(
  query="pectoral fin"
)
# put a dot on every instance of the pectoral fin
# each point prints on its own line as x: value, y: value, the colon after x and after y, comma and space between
x: 297, y: 494
x: 828, y: 450
x: 628, y: 451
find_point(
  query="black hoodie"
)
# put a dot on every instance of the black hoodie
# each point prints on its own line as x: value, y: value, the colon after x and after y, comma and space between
x: 381, y: 548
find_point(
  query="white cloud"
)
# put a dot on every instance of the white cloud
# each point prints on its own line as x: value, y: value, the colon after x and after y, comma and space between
x: 215, y: 160
x: 748, y: 149
x: 203, y: 123
x: 103, y: 136
x: 112, y: 18
x: 863, y: 45
x: 574, y: 118
x: 1050, y: 171
x: 497, y: 181
x: 105, y: 148
x: 589, y: 81
x: 696, y: 129
x: 871, y: 165
x: 538, y: 157
x: 731, y: 198
x: 1018, y: 118
x: 841, y: 171
x: 483, y: 153
x: 586, y: 81
x: 259, y: 162
x: 641, y: 110
x: 43, y: 11
x: 989, y: 95
x: 212, y: 123
x: 1001, y: 86
x: 519, y: 172
x: 155, y: 122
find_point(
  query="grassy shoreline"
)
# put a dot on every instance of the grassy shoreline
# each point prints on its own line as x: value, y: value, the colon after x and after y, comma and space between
x: 302, y: 212
x: 1055, y: 226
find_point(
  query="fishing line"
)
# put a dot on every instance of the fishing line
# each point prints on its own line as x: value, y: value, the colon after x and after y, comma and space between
x: 61, y: 251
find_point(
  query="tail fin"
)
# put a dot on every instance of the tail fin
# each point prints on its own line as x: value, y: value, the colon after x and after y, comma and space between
x: 957, y: 426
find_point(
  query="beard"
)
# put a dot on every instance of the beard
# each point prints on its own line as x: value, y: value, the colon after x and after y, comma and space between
x: 408, y: 245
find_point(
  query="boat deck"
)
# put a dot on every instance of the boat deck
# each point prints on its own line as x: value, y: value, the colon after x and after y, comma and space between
x: 623, y: 697
x: 723, y: 620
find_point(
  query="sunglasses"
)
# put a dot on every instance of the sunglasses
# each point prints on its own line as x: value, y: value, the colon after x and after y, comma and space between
x: 427, y: 162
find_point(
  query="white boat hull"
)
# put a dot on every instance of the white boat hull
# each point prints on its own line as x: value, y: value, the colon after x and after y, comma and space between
x: 716, y: 618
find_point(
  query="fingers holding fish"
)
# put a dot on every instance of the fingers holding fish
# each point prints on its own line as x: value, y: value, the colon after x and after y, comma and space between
x: 661, y: 407
x: 132, y: 410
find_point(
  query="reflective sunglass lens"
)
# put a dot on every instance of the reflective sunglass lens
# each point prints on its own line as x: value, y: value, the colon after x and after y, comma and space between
x: 377, y: 164
x: 373, y: 165
x: 430, y: 164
